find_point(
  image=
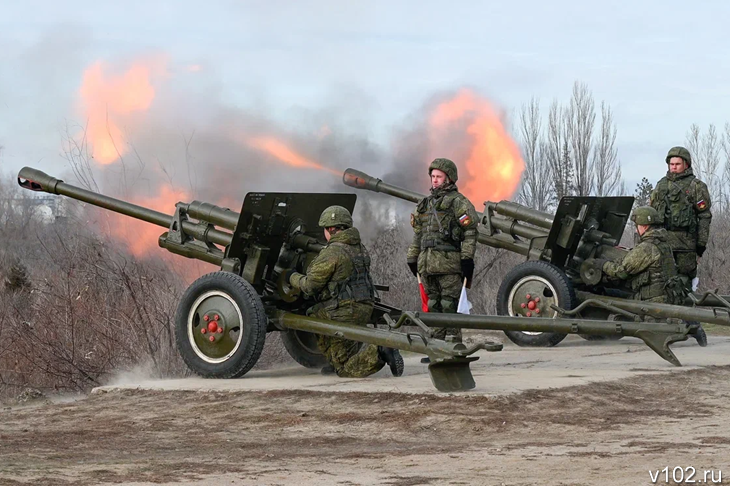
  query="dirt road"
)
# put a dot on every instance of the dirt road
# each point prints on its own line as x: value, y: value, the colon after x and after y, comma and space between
x: 576, y: 414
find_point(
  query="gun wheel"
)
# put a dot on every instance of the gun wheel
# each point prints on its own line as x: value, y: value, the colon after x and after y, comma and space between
x: 220, y: 326
x: 527, y: 291
x: 302, y: 347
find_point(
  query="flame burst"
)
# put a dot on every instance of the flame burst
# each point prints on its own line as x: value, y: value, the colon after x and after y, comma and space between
x: 492, y: 167
x: 107, y: 101
x: 139, y: 236
x: 283, y: 153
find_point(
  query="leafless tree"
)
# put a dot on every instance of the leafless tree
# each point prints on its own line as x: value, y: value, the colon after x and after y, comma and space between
x: 557, y: 151
x: 607, y: 168
x: 706, y: 151
x: 725, y: 179
x: 580, y: 118
x: 535, y: 190
x: 77, y: 153
x: 694, y: 144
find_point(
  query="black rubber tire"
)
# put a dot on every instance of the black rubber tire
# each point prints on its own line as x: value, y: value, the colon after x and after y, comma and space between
x: 301, y: 346
x: 253, y: 328
x: 563, y: 289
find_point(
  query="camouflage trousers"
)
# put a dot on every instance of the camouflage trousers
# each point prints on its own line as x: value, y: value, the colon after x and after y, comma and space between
x: 662, y: 299
x: 350, y: 359
x: 686, y: 267
x: 443, y: 293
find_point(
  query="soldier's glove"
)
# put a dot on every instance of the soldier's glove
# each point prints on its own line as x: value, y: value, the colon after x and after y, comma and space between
x: 467, y: 271
x: 700, y: 250
x: 414, y: 268
x: 600, y: 262
x: 288, y: 274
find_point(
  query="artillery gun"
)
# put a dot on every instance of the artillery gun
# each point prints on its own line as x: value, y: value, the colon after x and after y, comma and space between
x: 559, y: 276
x: 223, y: 317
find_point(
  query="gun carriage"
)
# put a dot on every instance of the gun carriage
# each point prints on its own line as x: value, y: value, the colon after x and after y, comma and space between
x: 223, y: 317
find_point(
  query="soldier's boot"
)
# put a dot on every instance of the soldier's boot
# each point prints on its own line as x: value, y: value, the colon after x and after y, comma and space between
x: 696, y: 331
x: 700, y: 335
x: 328, y: 370
x: 393, y: 359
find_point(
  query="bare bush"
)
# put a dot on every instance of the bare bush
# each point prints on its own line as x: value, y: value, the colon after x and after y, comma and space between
x: 92, y: 311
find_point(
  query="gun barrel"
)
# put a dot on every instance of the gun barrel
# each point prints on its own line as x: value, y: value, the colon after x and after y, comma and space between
x: 36, y: 180
x: 515, y: 228
x: 361, y: 180
x: 211, y: 213
x: 506, y: 243
x: 522, y: 213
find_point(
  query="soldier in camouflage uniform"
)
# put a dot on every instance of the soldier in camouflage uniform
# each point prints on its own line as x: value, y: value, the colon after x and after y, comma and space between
x: 444, y: 242
x: 339, y: 279
x: 683, y: 203
x: 650, y: 267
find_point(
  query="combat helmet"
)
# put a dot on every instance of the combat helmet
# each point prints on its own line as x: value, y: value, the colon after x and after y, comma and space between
x: 447, y: 166
x: 335, y: 216
x: 680, y: 152
x: 645, y: 215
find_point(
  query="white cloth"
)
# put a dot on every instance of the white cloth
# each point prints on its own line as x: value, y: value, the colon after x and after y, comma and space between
x: 464, y: 306
x: 695, y: 284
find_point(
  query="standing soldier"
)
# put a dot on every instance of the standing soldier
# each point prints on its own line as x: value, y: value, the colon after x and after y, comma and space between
x: 683, y: 203
x: 444, y: 242
x: 339, y: 279
x: 650, y: 267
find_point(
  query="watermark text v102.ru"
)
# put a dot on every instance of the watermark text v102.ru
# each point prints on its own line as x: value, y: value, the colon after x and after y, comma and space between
x: 685, y: 475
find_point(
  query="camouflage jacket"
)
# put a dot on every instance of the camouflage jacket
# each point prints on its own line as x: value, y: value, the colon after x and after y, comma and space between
x: 648, y: 267
x: 340, y: 274
x: 683, y: 203
x: 444, y: 232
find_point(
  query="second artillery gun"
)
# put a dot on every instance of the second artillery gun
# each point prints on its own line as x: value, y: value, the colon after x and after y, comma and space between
x: 223, y: 317
x: 560, y: 276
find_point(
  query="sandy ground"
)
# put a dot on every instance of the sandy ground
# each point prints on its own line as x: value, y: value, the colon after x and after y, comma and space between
x: 580, y: 413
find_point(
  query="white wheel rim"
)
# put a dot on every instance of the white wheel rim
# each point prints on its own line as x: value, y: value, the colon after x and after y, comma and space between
x: 191, y: 338
x: 522, y: 281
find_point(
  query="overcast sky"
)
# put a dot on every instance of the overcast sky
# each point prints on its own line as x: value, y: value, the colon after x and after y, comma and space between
x: 661, y: 65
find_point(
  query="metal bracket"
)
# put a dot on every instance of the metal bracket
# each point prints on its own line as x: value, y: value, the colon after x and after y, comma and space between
x: 406, y: 319
x: 487, y: 219
x: 530, y: 246
x: 176, y: 234
x: 707, y: 294
x: 596, y: 303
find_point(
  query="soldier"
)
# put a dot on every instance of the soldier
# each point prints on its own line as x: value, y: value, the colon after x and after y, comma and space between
x: 444, y: 242
x: 650, y: 267
x: 339, y: 279
x: 683, y: 203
